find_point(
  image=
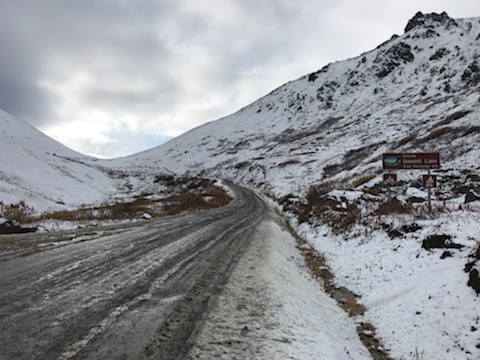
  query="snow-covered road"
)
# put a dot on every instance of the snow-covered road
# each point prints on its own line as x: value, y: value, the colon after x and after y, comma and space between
x: 227, y: 283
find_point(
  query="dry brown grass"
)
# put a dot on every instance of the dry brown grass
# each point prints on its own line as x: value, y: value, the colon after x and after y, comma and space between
x: 440, y: 132
x: 341, y: 219
x: 353, y: 307
x: 199, y: 194
x: 394, y: 206
x: 362, y: 180
x: 20, y: 212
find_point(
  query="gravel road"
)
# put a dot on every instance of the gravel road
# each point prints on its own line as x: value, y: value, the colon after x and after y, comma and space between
x: 125, y: 292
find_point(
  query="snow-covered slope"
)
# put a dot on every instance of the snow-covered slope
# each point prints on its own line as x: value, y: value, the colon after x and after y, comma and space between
x: 337, y: 121
x: 43, y: 173
x: 418, y: 92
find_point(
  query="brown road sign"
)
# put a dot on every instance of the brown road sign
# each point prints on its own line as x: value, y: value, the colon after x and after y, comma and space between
x: 411, y: 161
x: 429, y: 181
x: 389, y: 180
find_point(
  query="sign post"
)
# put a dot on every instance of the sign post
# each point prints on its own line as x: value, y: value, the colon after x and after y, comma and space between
x: 429, y: 182
x: 412, y: 161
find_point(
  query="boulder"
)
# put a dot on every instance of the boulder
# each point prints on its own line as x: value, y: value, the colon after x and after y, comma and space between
x: 13, y: 227
x: 471, y: 196
x: 474, y: 281
x: 440, y: 242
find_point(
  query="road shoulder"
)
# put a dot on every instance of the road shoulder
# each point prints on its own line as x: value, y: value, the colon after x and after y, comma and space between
x: 272, y: 308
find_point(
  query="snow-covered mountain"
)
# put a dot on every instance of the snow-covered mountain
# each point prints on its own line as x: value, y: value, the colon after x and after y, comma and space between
x: 43, y: 173
x: 418, y: 92
x: 415, y: 92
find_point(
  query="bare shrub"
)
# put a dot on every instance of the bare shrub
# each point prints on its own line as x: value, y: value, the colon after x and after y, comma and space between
x: 394, y: 206
x: 127, y: 210
x: 362, y: 180
x: 20, y: 212
x: 314, y: 201
x: 418, y: 354
x: 218, y: 197
x: 196, y: 194
x: 342, y: 217
x: 166, y: 179
x: 353, y: 307
x: 440, y: 132
x: 406, y: 140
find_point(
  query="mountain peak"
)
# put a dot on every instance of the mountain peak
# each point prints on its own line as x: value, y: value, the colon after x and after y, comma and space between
x: 429, y: 20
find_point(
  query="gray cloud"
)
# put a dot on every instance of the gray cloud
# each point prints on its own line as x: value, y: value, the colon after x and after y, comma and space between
x: 87, y: 68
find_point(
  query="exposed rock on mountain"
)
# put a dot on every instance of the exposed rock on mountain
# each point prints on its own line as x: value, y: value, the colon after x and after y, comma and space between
x: 430, y: 21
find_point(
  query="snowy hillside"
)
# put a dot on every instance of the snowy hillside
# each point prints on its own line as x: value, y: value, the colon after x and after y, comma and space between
x: 315, y: 146
x: 337, y: 121
x: 44, y: 173
x: 318, y: 142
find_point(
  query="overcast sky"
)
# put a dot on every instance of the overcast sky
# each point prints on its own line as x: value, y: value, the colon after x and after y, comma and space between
x: 114, y: 77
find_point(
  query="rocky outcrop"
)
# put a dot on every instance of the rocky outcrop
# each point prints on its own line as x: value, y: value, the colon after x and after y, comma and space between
x: 398, y: 54
x: 13, y: 227
x: 430, y: 21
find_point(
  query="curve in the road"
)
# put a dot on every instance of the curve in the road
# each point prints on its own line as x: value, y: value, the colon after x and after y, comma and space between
x: 133, y: 294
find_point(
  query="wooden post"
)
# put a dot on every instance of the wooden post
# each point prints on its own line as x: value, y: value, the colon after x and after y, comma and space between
x: 429, y: 196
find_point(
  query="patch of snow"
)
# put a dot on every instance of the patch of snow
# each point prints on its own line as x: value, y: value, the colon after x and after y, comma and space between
x: 274, y: 309
x: 418, y: 300
x: 414, y: 192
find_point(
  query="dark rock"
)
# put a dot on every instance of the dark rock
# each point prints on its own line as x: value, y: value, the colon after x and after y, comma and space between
x: 410, y: 228
x: 397, y: 54
x: 471, y: 75
x: 471, y: 196
x: 429, y: 21
x: 469, y: 266
x: 394, y: 233
x: 415, y: 199
x: 439, y: 54
x: 244, y: 331
x: 446, y: 254
x: 440, y: 242
x: 312, y: 77
x: 474, y: 280
x: 13, y: 227
x: 242, y: 165
x: 476, y: 254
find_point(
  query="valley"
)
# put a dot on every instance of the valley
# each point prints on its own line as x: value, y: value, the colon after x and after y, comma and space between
x: 313, y: 150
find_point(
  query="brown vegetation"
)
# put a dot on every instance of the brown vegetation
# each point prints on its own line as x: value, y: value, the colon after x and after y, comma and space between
x: 20, y: 212
x: 197, y: 194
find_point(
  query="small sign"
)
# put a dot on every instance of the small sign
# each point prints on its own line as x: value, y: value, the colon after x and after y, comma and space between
x: 389, y: 180
x: 429, y: 181
x: 411, y: 161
